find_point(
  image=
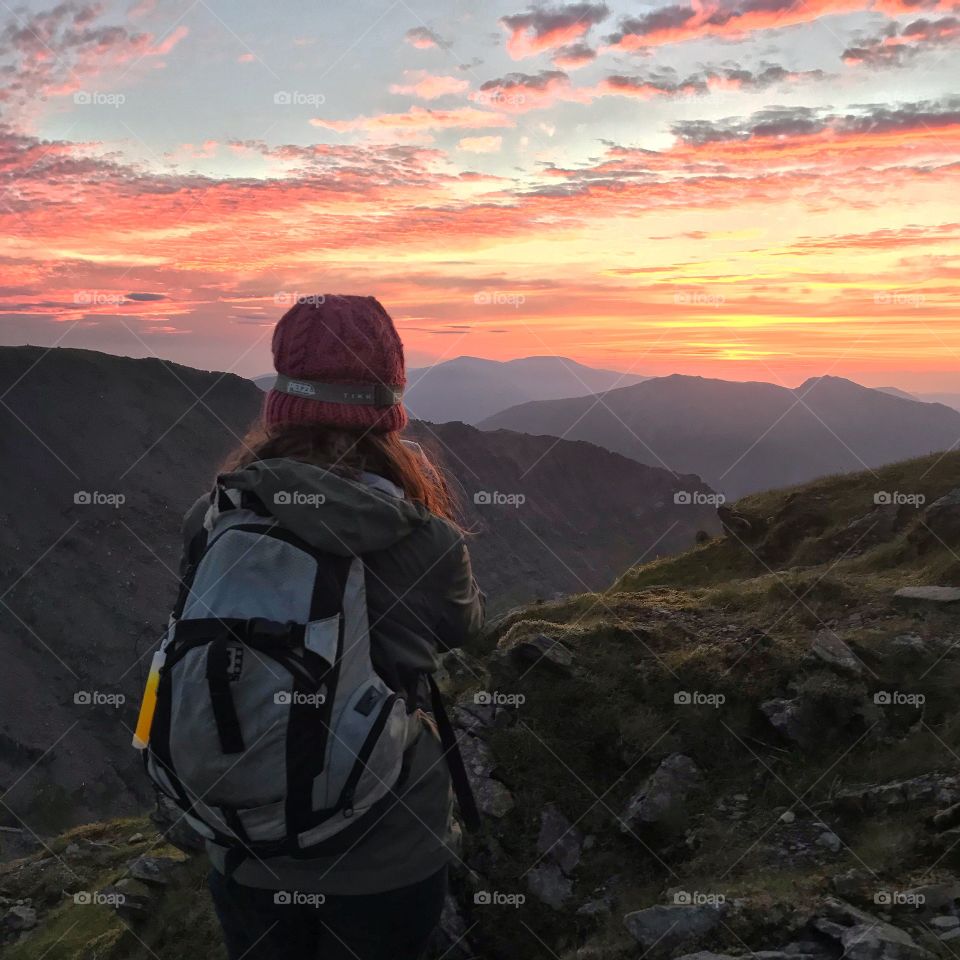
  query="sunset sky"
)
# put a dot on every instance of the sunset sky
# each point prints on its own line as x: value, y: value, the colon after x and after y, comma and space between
x: 748, y: 189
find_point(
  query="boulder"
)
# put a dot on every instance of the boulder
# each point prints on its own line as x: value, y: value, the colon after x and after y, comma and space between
x: 831, y: 650
x: 20, y: 917
x: 666, y: 927
x: 662, y: 800
x: 793, y: 720
x: 558, y: 840
x: 548, y: 884
x: 864, y: 936
x: 493, y: 798
x: 151, y: 869
x: 930, y: 596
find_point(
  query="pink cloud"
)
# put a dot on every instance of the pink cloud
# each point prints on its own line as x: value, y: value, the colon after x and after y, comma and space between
x: 491, y: 144
x: 418, y: 119
x: 427, y: 86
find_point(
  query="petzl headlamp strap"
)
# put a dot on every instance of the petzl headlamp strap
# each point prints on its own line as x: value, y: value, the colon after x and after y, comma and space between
x: 357, y: 394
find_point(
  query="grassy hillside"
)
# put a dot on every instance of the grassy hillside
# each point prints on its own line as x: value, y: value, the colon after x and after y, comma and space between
x: 752, y: 747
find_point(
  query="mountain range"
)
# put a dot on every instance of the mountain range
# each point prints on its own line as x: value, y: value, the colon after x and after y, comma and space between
x: 744, y: 437
x: 104, y: 454
x: 469, y: 389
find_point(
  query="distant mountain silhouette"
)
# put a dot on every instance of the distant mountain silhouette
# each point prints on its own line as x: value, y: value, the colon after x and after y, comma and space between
x: 469, y: 389
x: 743, y: 437
x: 897, y: 392
x: 101, y: 457
x: 947, y: 399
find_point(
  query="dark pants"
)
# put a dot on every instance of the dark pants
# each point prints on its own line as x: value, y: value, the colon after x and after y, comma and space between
x: 261, y: 925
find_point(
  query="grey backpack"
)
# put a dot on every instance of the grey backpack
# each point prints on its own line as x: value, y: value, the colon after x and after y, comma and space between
x: 272, y: 730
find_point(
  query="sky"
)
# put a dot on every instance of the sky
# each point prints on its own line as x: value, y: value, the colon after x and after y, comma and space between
x: 746, y: 189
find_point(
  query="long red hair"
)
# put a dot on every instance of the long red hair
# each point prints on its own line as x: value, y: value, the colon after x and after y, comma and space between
x: 349, y: 453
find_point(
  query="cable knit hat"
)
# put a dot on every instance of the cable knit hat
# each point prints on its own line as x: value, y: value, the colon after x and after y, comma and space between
x: 339, y: 362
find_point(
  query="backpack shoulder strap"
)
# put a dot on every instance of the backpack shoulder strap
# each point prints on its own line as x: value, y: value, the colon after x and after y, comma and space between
x: 451, y: 750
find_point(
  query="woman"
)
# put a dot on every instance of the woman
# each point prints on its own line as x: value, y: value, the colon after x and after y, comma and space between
x: 328, y: 464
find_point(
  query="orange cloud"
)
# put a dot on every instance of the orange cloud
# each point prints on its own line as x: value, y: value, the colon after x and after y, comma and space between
x: 481, y: 144
x: 427, y: 86
x: 545, y: 28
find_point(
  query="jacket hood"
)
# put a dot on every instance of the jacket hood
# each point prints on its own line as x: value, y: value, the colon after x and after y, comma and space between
x: 331, y: 512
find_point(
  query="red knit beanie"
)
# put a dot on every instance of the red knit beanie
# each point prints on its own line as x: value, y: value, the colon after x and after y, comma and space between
x: 336, y: 340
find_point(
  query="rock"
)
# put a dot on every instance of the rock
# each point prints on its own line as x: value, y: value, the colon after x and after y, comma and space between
x: 663, y: 798
x: 548, y: 884
x: 830, y: 840
x: 945, y: 923
x: 71, y: 850
x: 788, y: 816
x: 136, y: 838
x: 474, y: 717
x: 949, y: 935
x: 836, y: 653
x: 20, y: 917
x: 852, y: 884
x: 493, y: 798
x: 544, y: 651
x: 945, y: 819
x: 941, y: 521
x: 793, y: 721
x: 929, y: 788
x: 939, y: 596
x: 151, y: 869
x: 935, y: 897
x: 596, y: 908
x: 559, y: 841
x: 865, y: 937
x: 669, y: 926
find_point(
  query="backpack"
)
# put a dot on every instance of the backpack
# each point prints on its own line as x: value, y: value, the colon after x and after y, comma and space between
x: 271, y: 729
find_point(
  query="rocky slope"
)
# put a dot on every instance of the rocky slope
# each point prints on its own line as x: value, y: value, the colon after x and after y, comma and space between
x: 745, y: 437
x: 101, y: 457
x: 750, y: 749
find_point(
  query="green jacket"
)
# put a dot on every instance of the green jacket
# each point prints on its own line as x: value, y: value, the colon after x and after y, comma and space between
x: 422, y: 598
